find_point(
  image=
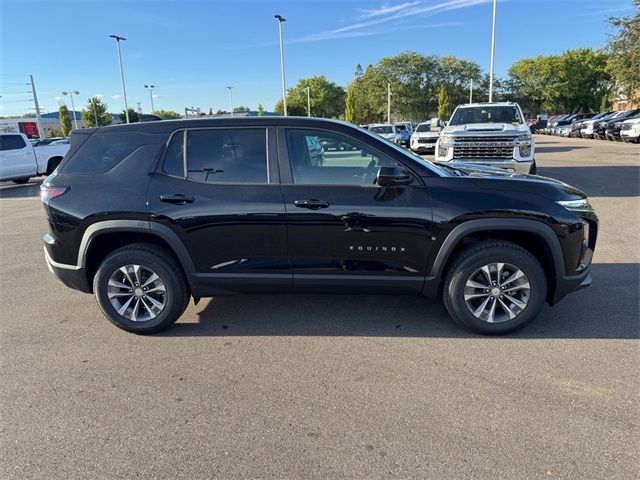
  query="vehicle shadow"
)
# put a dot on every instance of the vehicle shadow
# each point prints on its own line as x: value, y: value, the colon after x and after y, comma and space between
x: 12, y: 190
x: 567, y: 148
x: 605, y: 181
x: 608, y: 310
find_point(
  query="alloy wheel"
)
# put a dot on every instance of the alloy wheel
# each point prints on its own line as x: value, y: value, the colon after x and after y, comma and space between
x: 137, y: 293
x: 497, y: 292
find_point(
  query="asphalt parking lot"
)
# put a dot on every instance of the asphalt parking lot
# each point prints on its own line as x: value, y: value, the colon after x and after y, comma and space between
x: 328, y: 386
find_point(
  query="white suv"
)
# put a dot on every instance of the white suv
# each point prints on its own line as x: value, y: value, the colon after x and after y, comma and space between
x: 493, y: 134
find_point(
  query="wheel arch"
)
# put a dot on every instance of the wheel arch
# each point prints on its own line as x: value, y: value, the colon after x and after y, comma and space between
x: 539, y: 240
x: 104, y: 237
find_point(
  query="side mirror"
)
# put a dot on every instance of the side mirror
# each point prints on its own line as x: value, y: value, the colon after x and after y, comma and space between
x: 393, y: 176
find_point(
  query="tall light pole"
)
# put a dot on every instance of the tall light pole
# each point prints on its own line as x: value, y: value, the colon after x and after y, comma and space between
x: 230, y: 100
x: 35, y: 101
x: 388, y: 102
x: 471, y: 92
x: 493, y: 46
x: 73, y: 108
x: 151, y: 87
x: 281, y: 20
x: 124, y: 90
x: 308, y: 101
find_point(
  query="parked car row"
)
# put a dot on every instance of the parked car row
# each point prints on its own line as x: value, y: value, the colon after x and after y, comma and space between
x: 621, y: 125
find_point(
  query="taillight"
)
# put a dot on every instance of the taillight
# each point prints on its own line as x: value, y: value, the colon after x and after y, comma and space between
x: 49, y: 193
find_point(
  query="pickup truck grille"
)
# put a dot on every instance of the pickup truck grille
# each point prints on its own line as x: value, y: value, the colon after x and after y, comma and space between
x: 485, y: 139
x: 461, y: 152
x: 485, y: 147
x: 428, y: 140
x: 626, y: 126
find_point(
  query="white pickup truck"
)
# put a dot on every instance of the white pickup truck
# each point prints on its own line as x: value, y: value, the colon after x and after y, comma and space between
x: 19, y: 160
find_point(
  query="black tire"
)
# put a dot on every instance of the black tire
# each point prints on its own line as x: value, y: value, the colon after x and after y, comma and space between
x: 159, y: 261
x: 533, y: 169
x: 21, y: 181
x: 478, y: 255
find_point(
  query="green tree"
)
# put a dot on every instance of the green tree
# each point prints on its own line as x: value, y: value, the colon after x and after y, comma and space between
x: 96, y: 109
x: 168, y: 114
x: 624, y: 49
x: 350, y: 112
x: 65, y: 120
x: 241, y: 109
x: 444, y: 107
x: 575, y: 81
x: 133, y: 116
x: 327, y: 98
x: 260, y: 110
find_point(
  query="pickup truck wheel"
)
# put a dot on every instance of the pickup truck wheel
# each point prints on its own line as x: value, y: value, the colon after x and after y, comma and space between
x: 21, y: 181
x: 141, y: 289
x: 494, y: 287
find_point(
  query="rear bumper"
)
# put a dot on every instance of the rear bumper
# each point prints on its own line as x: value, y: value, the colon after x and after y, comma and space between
x: 71, y: 275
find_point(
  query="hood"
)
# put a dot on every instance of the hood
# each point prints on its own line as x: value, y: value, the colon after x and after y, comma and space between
x: 492, y: 178
x: 485, y: 129
x: 425, y: 134
x: 387, y: 135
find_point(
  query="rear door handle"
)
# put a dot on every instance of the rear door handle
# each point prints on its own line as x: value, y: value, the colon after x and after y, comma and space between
x: 311, y: 204
x: 177, y: 199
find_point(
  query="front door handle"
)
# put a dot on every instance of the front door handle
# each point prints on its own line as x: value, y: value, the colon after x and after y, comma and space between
x: 311, y: 204
x: 177, y: 199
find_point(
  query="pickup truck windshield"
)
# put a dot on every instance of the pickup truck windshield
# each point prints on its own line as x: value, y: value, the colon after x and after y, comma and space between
x: 423, y: 127
x: 497, y: 114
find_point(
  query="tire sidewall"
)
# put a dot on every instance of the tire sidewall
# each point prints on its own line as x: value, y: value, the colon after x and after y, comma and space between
x: 173, y: 306
x: 523, y: 261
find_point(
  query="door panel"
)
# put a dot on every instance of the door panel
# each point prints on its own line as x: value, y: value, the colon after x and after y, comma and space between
x: 16, y: 157
x: 234, y: 232
x: 355, y: 237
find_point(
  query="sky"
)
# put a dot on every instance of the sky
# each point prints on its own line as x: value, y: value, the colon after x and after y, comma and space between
x: 192, y: 50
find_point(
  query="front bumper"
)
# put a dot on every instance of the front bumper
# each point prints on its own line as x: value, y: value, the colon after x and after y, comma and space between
x: 567, y: 285
x: 520, y: 167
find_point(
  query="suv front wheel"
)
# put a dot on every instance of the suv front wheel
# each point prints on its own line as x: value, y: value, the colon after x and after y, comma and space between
x: 494, y: 287
x: 141, y: 288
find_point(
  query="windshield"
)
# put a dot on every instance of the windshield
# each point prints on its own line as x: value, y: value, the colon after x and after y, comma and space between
x: 423, y: 127
x: 381, y: 129
x: 497, y: 114
x: 400, y: 127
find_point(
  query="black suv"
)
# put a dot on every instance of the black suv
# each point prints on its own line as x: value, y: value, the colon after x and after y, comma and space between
x: 147, y: 215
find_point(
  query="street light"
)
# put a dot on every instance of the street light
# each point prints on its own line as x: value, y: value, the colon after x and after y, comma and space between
x: 493, y: 46
x: 124, y: 90
x: 281, y: 19
x: 151, y: 87
x: 230, y: 100
x: 308, y: 101
x: 73, y: 108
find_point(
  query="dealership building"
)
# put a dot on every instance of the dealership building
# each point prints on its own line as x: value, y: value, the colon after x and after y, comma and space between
x: 29, y: 125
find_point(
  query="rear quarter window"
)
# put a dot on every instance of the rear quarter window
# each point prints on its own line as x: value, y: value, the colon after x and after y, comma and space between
x: 103, y: 151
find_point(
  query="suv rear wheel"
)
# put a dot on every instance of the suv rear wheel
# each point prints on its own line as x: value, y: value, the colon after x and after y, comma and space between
x: 494, y: 287
x: 141, y: 288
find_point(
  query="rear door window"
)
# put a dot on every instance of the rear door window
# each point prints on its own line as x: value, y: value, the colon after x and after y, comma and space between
x: 11, y: 142
x: 236, y: 155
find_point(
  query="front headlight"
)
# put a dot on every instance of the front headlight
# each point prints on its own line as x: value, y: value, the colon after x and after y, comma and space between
x: 524, y: 137
x: 446, y: 140
x: 581, y: 204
